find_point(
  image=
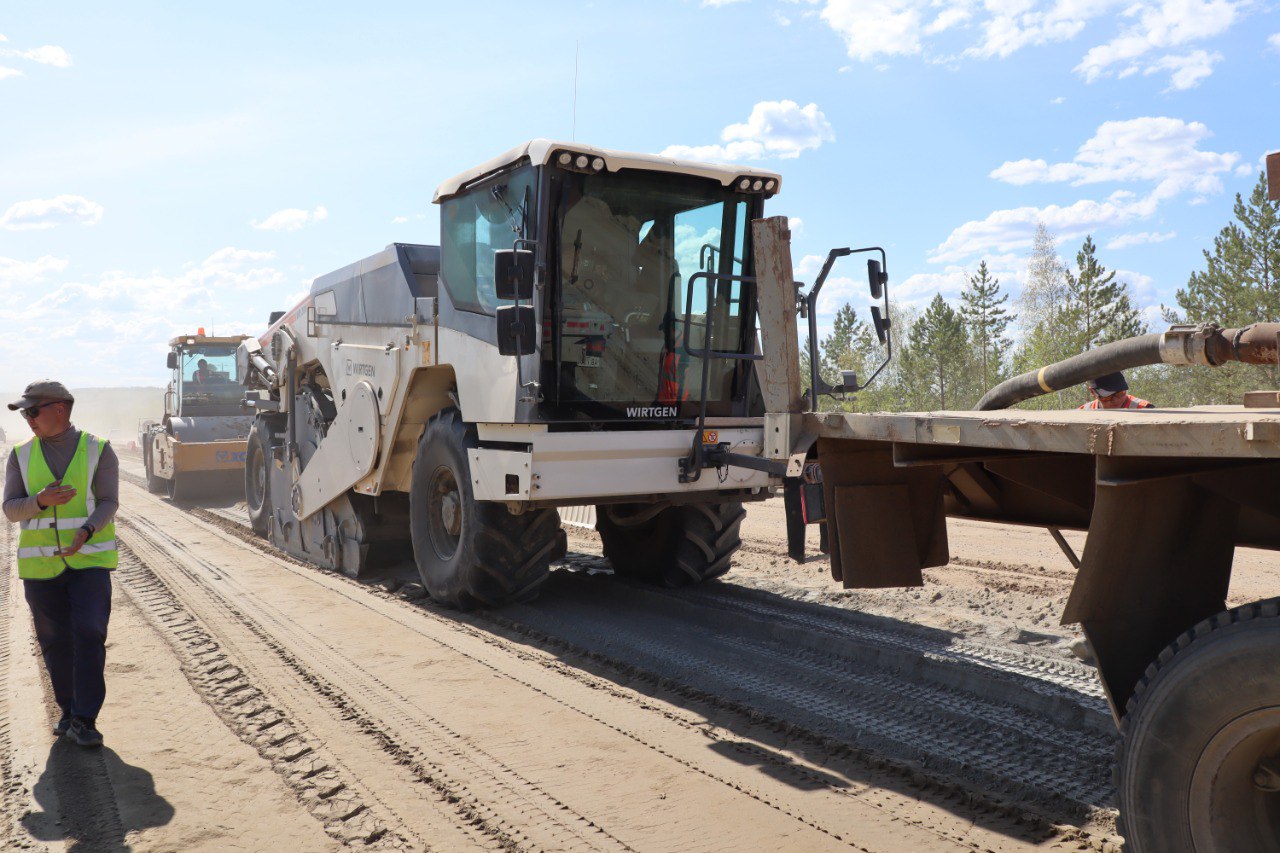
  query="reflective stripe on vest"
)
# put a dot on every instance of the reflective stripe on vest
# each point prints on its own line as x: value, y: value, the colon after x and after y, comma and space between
x: 41, y: 537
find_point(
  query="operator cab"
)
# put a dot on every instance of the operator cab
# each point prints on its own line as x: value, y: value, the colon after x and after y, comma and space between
x: 610, y: 273
x: 204, y: 380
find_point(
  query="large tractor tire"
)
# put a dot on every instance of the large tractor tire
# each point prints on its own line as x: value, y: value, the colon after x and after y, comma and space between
x: 256, y: 480
x: 156, y: 485
x: 670, y: 545
x: 1199, y: 755
x: 472, y: 553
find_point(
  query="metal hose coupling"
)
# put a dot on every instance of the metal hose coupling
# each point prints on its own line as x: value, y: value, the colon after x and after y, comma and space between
x: 1207, y: 344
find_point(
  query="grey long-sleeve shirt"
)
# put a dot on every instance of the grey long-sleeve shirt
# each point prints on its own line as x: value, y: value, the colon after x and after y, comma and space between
x: 58, y: 452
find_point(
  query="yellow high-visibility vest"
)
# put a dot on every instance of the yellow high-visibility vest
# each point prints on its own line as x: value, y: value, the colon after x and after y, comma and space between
x: 55, y: 527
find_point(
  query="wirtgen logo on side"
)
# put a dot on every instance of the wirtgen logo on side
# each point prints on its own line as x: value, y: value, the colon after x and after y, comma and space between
x: 651, y: 411
x: 359, y: 369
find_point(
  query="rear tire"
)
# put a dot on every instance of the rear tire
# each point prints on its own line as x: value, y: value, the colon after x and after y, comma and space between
x: 257, y: 478
x: 670, y: 545
x: 472, y: 553
x: 1204, y: 715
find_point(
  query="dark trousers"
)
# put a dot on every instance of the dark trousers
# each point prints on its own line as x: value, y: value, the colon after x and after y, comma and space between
x: 70, y: 614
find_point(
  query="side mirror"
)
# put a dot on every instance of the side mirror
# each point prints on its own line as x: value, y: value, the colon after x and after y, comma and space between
x: 876, y: 279
x: 513, y: 273
x: 172, y: 361
x: 881, y: 324
x: 273, y: 317
x: 515, y: 330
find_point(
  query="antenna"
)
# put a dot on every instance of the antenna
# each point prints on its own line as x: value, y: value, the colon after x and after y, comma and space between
x: 573, y: 136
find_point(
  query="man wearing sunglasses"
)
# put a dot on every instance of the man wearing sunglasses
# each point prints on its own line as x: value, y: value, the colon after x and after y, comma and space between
x: 63, y: 487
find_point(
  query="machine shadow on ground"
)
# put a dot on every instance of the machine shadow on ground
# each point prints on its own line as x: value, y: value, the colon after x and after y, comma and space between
x: 92, y: 799
x: 759, y: 734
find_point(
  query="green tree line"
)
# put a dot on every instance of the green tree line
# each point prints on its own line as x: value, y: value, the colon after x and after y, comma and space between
x: 947, y: 356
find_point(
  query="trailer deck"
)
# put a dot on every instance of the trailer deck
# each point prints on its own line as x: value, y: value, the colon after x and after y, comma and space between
x: 1165, y: 495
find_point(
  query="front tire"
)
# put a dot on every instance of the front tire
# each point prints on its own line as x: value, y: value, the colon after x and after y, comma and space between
x: 670, y: 545
x: 1199, y: 754
x: 155, y: 485
x: 257, y: 493
x: 472, y: 553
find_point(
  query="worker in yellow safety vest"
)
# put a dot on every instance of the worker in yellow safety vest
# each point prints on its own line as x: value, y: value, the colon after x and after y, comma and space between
x: 62, y: 487
x: 1112, y: 392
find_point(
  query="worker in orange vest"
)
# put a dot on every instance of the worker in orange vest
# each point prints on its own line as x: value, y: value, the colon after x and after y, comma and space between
x: 1112, y: 392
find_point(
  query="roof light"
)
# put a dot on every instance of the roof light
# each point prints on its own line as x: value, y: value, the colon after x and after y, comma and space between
x: 565, y: 158
x: 769, y: 185
x: 597, y: 163
x: 581, y: 162
x: 744, y: 183
x: 758, y: 185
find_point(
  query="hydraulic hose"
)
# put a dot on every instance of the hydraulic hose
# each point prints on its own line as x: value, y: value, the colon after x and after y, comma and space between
x: 1205, y: 344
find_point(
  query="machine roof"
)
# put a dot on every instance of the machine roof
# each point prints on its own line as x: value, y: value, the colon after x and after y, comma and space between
x: 539, y: 152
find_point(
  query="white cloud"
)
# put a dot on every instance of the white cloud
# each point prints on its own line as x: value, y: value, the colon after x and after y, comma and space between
x: 795, y: 224
x: 1140, y: 238
x: 1058, y: 100
x: 872, y: 28
x: 1159, y: 26
x: 9, y: 72
x: 1274, y: 41
x: 291, y: 219
x: 1150, y: 34
x: 720, y: 2
x: 780, y: 129
x: 400, y: 220
x: 126, y: 331
x: 1158, y: 149
x: 1012, y: 230
x: 1187, y: 71
x: 29, y: 272
x: 48, y: 55
x: 39, y: 213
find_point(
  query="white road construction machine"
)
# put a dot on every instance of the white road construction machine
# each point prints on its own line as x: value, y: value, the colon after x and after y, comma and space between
x: 588, y: 332
x: 197, y: 448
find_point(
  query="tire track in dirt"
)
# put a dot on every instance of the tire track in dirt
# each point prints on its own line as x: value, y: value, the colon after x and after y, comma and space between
x: 1058, y: 686
x: 695, y: 722
x: 1066, y: 683
x: 331, y: 794
x: 12, y: 790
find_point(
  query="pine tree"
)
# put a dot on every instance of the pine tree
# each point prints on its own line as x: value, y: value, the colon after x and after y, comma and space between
x: 1239, y: 285
x: 986, y: 320
x: 936, y: 358
x: 1101, y: 309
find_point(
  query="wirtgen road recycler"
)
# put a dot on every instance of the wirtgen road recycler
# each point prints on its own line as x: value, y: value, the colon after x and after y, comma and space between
x: 588, y: 332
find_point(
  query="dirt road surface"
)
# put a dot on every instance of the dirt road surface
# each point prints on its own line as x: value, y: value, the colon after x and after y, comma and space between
x: 256, y: 702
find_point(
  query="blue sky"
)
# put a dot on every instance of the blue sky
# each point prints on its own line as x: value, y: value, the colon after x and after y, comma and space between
x: 166, y: 166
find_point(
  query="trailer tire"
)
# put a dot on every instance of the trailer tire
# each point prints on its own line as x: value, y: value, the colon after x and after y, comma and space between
x: 1202, y: 717
x: 670, y: 545
x: 257, y: 478
x: 472, y: 553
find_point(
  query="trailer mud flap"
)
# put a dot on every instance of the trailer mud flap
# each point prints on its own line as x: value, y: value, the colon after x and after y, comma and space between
x: 885, y: 524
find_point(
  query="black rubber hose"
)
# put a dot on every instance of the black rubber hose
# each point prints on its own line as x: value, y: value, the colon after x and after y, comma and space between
x: 1121, y: 355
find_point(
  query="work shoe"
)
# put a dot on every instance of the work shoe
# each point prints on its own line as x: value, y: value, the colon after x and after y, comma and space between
x: 83, y: 733
x: 63, y: 724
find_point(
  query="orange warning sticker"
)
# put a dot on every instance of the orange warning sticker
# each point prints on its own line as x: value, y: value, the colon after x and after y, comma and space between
x: 710, y: 436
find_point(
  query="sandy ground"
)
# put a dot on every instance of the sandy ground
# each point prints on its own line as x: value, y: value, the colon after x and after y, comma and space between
x: 257, y: 703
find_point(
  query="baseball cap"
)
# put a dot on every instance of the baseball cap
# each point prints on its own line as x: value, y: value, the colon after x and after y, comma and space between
x: 42, y: 391
x: 1111, y: 383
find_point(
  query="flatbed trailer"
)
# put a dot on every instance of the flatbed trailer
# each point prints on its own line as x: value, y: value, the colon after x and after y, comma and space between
x: 1166, y: 496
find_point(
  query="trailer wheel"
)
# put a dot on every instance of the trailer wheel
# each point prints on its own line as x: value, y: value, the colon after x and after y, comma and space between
x: 1199, y: 755
x: 671, y: 545
x: 256, y: 478
x: 155, y: 485
x: 472, y: 553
